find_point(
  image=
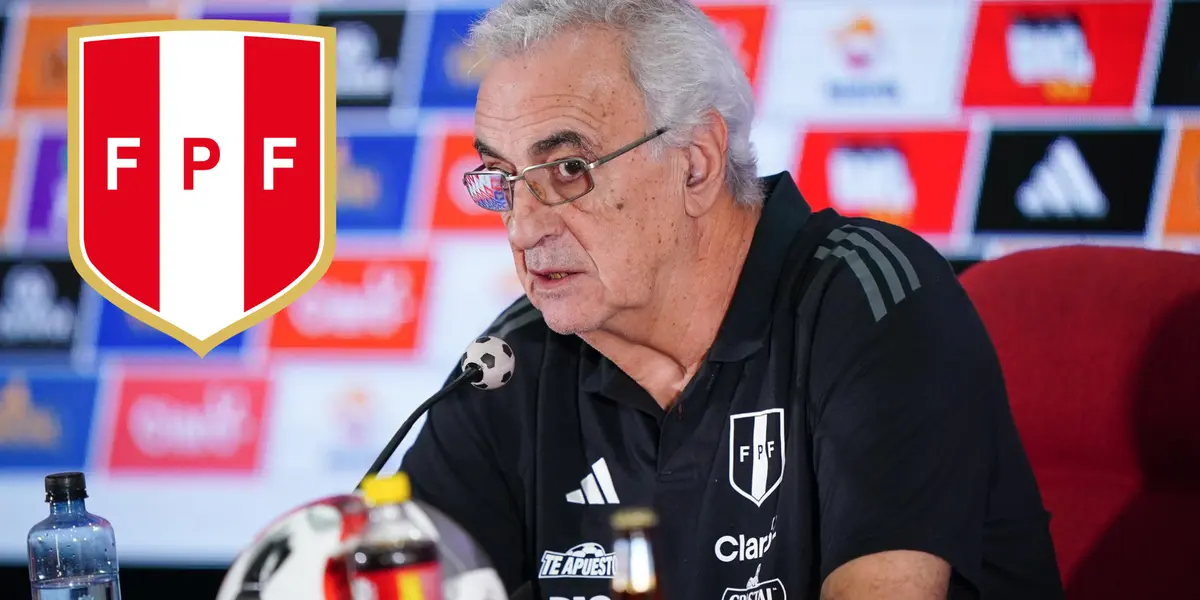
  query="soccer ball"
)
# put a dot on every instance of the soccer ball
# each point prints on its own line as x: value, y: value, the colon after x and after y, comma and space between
x: 496, y: 359
x: 300, y: 556
x: 295, y: 556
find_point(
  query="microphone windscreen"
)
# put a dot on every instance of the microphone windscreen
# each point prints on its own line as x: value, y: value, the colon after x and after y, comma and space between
x: 495, y: 360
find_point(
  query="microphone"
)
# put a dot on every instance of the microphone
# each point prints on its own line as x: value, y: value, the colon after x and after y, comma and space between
x: 487, y: 364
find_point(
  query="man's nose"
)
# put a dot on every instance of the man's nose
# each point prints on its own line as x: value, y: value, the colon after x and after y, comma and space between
x: 530, y: 221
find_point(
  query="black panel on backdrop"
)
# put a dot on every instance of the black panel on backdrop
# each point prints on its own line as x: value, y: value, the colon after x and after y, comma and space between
x: 1179, y: 68
x: 39, y: 305
x: 368, y: 54
x: 1083, y: 181
x: 4, y: 43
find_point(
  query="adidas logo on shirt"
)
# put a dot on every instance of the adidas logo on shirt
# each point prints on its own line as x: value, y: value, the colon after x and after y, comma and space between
x: 596, y: 488
x: 1062, y: 187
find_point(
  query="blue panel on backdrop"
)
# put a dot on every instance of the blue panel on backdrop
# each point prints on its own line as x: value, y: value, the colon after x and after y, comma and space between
x: 119, y: 332
x: 449, y: 82
x: 233, y: 14
x: 46, y: 421
x: 374, y: 172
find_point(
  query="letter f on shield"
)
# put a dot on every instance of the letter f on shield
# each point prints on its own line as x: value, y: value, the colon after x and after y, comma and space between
x: 201, y: 169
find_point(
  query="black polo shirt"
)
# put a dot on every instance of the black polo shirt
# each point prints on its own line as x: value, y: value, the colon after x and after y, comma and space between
x: 852, y: 403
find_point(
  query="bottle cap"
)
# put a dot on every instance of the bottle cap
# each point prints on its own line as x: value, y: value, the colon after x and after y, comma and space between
x: 388, y: 490
x: 630, y: 519
x: 65, y: 486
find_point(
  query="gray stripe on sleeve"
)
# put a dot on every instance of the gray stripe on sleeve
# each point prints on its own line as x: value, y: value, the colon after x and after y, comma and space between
x: 905, y: 265
x: 881, y: 261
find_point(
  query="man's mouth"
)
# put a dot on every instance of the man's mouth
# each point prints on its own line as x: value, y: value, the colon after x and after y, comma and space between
x: 549, y: 276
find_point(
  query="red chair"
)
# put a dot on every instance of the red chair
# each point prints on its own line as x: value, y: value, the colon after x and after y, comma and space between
x: 1100, y: 349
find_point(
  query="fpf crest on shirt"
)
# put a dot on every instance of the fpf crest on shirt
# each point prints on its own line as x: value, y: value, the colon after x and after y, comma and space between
x: 201, y: 169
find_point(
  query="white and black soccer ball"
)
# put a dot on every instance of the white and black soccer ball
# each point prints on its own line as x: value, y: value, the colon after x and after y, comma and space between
x: 301, y: 555
x: 296, y: 557
x: 494, y: 357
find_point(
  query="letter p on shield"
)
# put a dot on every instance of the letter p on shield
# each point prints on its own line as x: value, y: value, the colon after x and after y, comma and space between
x: 201, y: 169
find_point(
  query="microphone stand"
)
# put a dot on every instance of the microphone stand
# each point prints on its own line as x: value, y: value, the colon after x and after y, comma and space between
x: 469, y: 372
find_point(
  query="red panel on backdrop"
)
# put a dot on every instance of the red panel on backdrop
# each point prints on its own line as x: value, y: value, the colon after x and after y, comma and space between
x: 908, y: 178
x: 179, y: 424
x: 1049, y: 54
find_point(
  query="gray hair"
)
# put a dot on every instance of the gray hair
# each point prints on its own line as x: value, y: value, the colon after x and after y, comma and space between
x: 676, y: 56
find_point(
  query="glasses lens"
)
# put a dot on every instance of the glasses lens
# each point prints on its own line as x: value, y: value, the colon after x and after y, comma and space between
x: 487, y: 190
x: 560, y: 181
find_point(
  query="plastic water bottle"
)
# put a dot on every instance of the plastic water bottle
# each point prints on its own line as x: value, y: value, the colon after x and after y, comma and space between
x: 72, y: 553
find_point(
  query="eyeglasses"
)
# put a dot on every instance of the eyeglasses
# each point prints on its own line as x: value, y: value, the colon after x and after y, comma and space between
x: 553, y: 183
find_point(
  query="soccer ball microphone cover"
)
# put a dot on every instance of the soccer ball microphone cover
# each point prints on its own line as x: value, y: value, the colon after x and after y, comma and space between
x: 300, y: 556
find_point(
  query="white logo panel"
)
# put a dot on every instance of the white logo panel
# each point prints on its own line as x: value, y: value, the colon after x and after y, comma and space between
x: 330, y: 419
x: 771, y: 589
x: 588, y: 560
x: 887, y: 62
x: 1049, y: 50
x: 870, y: 179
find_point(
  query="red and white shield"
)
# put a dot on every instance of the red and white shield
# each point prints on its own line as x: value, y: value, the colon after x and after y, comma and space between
x: 201, y: 169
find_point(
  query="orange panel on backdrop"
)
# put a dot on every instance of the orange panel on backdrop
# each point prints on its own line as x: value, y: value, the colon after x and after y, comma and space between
x: 42, y: 76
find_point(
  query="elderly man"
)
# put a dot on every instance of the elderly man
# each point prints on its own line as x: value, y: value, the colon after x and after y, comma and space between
x: 809, y: 401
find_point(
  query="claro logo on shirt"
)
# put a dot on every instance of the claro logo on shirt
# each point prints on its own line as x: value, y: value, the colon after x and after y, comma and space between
x: 744, y: 547
x: 588, y: 560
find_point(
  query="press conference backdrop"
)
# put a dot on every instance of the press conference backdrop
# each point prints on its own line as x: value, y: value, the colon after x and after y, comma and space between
x: 985, y: 127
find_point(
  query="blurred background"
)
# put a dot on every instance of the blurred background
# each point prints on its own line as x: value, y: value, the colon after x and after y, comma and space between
x: 986, y: 127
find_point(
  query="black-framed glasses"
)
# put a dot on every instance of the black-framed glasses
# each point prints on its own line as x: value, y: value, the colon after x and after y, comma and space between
x: 553, y: 183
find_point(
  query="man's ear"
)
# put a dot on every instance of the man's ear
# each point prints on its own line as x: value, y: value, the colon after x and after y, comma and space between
x: 705, y: 177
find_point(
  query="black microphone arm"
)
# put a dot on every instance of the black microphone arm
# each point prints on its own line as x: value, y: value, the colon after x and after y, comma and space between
x: 471, y: 371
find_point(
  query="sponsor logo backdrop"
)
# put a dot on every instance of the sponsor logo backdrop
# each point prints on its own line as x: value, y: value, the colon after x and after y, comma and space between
x: 986, y: 127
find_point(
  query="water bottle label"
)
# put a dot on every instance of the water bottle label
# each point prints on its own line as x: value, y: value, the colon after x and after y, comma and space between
x: 421, y: 582
x: 105, y: 588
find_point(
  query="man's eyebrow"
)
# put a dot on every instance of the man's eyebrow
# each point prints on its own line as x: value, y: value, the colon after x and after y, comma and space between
x: 558, y: 139
x: 485, y: 150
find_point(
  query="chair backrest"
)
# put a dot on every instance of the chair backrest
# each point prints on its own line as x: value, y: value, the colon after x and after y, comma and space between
x: 1100, y: 349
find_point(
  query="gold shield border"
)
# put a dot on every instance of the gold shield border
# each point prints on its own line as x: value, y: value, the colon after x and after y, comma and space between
x: 75, y: 37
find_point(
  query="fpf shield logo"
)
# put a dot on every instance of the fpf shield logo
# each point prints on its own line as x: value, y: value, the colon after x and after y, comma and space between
x: 756, y: 453
x: 201, y: 187
x: 1039, y: 54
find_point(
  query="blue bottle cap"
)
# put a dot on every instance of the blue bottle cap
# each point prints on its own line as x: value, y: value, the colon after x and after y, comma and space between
x: 65, y: 486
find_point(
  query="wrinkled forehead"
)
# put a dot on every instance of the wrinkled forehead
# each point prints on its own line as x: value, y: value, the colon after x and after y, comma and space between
x: 572, y: 83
